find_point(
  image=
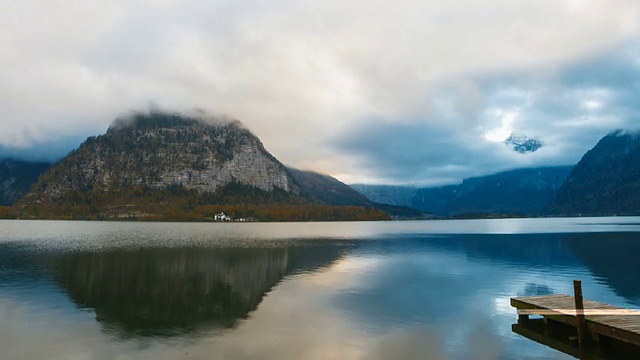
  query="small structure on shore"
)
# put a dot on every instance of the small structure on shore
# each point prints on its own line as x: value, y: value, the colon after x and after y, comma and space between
x: 221, y: 217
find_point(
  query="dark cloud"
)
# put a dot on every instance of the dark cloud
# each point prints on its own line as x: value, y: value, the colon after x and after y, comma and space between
x: 50, y: 151
x: 568, y: 107
x: 418, y: 152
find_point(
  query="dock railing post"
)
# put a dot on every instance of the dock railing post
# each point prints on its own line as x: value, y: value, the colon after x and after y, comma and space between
x: 580, y: 323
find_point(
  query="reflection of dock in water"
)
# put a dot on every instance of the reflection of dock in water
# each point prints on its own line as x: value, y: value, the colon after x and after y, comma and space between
x: 609, y: 332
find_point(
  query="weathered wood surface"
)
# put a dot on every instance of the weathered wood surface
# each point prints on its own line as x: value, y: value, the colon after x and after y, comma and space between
x: 603, y: 319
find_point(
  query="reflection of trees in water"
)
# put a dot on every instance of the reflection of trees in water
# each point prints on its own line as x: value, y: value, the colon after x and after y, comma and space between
x: 164, y: 290
x: 614, y: 257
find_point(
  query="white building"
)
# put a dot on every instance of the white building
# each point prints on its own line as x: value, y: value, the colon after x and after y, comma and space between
x: 221, y: 217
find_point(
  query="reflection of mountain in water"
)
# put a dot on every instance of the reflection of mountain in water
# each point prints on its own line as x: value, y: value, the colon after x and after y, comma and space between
x: 614, y: 257
x: 164, y: 290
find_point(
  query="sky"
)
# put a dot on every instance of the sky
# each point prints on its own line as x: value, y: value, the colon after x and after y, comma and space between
x: 370, y: 91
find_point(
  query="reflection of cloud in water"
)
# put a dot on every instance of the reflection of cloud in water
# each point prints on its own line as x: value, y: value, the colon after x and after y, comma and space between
x: 401, y: 298
x: 292, y: 322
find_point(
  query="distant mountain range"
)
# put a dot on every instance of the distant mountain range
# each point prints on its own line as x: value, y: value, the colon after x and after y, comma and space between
x: 605, y: 182
x: 515, y: 192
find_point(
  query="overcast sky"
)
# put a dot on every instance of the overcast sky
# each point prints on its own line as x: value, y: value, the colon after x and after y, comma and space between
x: 417, y: 92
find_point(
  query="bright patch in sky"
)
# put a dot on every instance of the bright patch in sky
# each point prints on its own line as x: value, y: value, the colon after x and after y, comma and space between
x: 592, y: 105
x: 502, y: 132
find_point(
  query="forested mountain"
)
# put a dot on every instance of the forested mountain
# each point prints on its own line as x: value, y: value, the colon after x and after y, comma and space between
x: 606, y: 181
x: 172, y: 166
x: 521, y: 191
x: 17, y: 177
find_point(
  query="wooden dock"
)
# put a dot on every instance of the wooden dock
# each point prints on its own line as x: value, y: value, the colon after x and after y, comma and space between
x: 600, y: 319
x: 602, y: 325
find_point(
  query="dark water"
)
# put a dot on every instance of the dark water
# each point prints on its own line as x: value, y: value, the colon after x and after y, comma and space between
x: 392, y: 290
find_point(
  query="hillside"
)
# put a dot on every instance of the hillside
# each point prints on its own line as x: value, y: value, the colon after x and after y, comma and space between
x: 328, y: 189
x: 606, y: 181
x: 17, y: 177
x: 171, y: 166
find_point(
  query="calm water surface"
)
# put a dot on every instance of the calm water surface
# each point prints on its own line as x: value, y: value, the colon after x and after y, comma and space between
x: 384, y: 290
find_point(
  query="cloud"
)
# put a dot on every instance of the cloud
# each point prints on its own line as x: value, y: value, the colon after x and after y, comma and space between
x: 568, y: 106
x: 299, y: 74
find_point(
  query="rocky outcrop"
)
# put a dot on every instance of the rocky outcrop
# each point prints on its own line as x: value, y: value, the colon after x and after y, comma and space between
x: 522, y: 143
x: 160, y: 150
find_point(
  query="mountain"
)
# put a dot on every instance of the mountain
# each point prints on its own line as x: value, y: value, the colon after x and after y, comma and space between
x: 159, y: 149
x: 17, y: 177
x: 522, y: 191
x: 522, y: 143
x: 171, y: 166
x: 606, y: 181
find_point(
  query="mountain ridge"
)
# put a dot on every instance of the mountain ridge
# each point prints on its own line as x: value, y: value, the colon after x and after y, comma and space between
x: 521, y: 191
x: 606, y: 181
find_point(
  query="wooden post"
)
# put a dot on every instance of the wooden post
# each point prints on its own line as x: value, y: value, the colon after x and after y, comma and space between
x: 580, y: 323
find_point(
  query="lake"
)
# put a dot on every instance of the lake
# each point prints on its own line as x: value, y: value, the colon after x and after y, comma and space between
x: 376, y: 290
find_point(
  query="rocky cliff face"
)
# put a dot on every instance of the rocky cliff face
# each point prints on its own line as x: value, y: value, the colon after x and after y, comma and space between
x: 605, y: 181
x: 17, y: 177
x: 159, y: 150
